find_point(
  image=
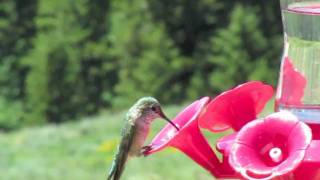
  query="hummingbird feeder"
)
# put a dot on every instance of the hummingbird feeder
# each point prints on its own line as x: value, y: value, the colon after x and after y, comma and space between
x: 285, y: 144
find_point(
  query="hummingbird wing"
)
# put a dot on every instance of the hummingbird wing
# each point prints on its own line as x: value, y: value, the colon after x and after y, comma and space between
x: 121, y: 156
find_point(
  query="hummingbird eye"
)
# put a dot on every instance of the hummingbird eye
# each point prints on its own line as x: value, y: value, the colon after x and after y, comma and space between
x: 153, y: 108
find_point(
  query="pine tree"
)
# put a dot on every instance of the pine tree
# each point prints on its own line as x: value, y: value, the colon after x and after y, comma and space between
x: 53, y: 63
x: 149, y: 62
x: 17, y: 28
x: 98, y: 69
x: 236, y: 49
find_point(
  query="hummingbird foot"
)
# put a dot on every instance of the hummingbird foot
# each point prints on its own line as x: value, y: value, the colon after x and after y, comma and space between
x: 145, y: 150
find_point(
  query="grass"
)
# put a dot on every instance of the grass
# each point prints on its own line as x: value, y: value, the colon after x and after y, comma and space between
x: 84, y: 150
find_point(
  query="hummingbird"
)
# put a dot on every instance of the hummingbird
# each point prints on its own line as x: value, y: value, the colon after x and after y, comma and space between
x: 135, y: 132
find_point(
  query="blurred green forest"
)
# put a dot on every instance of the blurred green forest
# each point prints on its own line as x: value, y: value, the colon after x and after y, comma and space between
x: 64, y: 59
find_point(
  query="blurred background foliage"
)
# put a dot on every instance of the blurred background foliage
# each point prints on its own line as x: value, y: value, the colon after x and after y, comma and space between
x: 61, y: 60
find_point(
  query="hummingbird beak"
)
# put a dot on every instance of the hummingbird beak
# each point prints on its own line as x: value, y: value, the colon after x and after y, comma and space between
x: 162, y: 115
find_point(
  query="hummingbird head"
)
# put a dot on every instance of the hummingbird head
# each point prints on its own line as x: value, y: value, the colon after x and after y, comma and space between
x: 150, y: 109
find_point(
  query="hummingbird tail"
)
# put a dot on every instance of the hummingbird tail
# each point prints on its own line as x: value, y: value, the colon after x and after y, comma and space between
x: 112, y: 171
x: 115, y: 171
x: 117, y: 166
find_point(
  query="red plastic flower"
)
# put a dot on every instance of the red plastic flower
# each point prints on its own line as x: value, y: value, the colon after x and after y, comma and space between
x: 233, y: 108
x: 292, y: 84
x: 189, y: 138
x: 309, y: 168
x: 274, y: 146
x: 236, y: 107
